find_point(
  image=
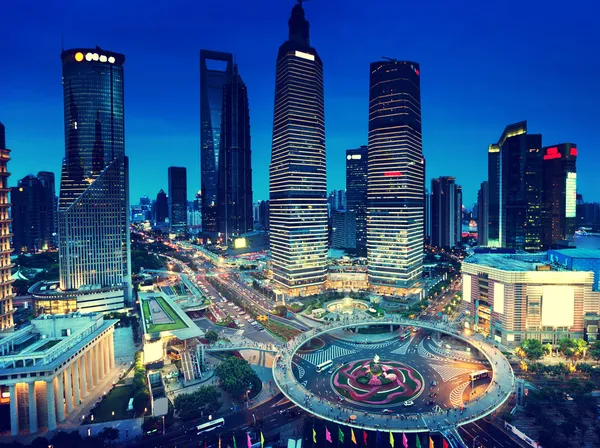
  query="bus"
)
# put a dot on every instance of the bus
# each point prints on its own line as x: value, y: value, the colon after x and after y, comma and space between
x: 210, y: 426
x: 479, y: 374
x: 324, y: 366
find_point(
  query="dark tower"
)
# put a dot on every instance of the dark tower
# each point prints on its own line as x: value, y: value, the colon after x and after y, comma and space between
x: 356, y: 193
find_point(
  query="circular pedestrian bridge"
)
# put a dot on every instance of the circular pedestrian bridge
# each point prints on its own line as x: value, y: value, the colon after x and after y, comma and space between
x: 373, y: 413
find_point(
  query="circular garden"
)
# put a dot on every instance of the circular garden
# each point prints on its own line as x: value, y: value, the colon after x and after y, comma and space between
x: 376, y: 383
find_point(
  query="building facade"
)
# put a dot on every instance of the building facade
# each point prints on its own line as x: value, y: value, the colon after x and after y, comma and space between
x: 33, y: 214
x: 356, y: 192
x: 493, y: 228
x: 234, y: 214
x: 559, y: 193
x: 483, y: 219
x: 395, y: 176
x: 50, y: 366
x: 216, y: 69
x: 446, y: 211
x: 513, y: 297
x: 161, y: 207
x: 177, y: 199
x: 6, y: 290
x: 343, y: 229
x: 298, y: 189
x: 93, y: 210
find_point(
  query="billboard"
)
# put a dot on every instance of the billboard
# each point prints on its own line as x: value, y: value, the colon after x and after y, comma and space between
x: 499, y: 297
x: 558, y: 306
x: 239, y: 243
x: 467, y: 288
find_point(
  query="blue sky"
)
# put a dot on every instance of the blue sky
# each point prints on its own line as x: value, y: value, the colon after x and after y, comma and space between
x: 484, y: 65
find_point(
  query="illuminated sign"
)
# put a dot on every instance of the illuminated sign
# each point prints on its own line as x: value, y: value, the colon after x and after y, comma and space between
x: 558, y: 308
x: 499, y: 297
x: 79, y: 56
x: 356, y: 156
x: 348, y: 157
x: 392, y: 174
x: 571, y: 195
x: 239, y: 243
x: 552, y: 153
x: 303, y: 55
x: 467, y: 288
x: 95, y: 57
x: 574, y: 152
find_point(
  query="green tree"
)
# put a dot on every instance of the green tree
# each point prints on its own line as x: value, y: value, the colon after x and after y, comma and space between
x: 281, y: 310
x: 141, y: 401
x: 533, y: 349
x: 237, y: 376
x: 195, y: 404
x: 548, y: 349
x: 594, y: 350
x: 108, y: 434
x: 211, y: 336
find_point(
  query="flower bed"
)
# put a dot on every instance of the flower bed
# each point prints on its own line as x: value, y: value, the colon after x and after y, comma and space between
x: 383, y: 383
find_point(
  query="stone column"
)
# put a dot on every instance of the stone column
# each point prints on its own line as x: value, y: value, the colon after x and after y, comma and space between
x: 100, y: 358
x: 84, y: 375
x: 95, y: 361
x: 60, y: 398
x: 111, y: 350
x: 67, y: 378
x: 50, y: 398
x: 106, y: 350
x: 76, y: 382
x: 14, y: 410
x: 33, y: 423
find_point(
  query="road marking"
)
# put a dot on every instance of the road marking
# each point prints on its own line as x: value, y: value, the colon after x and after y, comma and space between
x: 456, y: 396
x: 448, y: 372
x: 321, y: 356
x: 402, y: 349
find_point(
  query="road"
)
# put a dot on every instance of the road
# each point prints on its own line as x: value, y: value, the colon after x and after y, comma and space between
x: 484, y: 434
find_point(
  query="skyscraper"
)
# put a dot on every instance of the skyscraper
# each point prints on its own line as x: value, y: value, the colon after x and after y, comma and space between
x: 177, y: 199
x: 93, y: 212
x: 6, y: 292
x: 396, y: 175
x: 446, y: 211
x: 298, y: 190
x: 517, y: 172
x: 234, y: 214
x: 356, y: 192
x: 483, y: 218
x: 33, y: 213
x: 161, y: 207
x: 493, y: 228
x: 559, y: 193
x: 215, y: 71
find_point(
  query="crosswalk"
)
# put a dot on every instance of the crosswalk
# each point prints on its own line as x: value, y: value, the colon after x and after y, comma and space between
x: 456, y: 396
x: 403, y: 349
x: 301, y: 371
x: 448, y: 372
x: 321, y: 356
x: 423, y: 353
x: 360, y: 346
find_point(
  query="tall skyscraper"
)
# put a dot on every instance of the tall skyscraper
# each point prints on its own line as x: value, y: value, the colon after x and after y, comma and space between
x: 234, y: 214
x: 161, y: 207
x: 93, y: 212
x: 559, y: 193
x: 446, y: 211
x: 343, y: 229
x: 396, y: 175
x: 216, y: 69
x: 33, y: 213
x: 177, y: 199
x: 356, y: 192
x: 6, y: 292
x: 483, y: 219
x: 298, y: 190
x: 337, y: 200
x: 516, y: 170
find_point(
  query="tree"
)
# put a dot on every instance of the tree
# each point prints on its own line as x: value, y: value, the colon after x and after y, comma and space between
x: 108, y: 434
x: 66, y: 439
x: 281, y: 310
x: 548, y: 349
x: 193, y: 405
x: 211, y: 336
x: 594, y: 351
x: 533, y: 349
x: 141, y: 400
x: 237, y: 376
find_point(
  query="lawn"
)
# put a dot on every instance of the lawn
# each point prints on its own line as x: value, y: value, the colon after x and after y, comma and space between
x: 177, y: 323
x: 281, y: 330
x: 117, y: 401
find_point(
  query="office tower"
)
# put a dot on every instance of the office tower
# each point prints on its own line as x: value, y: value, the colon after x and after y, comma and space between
x: 263, y: 215
x: 337, y: 200
x: 33, y: 213
x: 483, y: 214
x: 427, y: 217
x: 298, y: 190
x: 93, y: 211
x: 161, y: 207
x: 51, y: 200
x: 356, y: 192
x: 559, y: 193
x: 446, y: 212
x: 177, y: 199
x: 343, y: 229
x: 395, y: 183
x: 6, y: 293
x: 588, y: 215
x: 216, y: 69
x: 234, y: 214
x: 516, y: 170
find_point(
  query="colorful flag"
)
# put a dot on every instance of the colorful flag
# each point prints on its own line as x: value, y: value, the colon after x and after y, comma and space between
x: 219, y: 441
x: 340, y: 434
x: 418, y: 445
x: 234, y: 444
x: 353, y: 436
x: 249, y: 440
x: 431, y: 442
x: 365, y: 436
x: 262, y: 440
x: 314, y: 436
x: 391, y: 439
x: 404, y: 441
x: 445, y: 444
x: 379, y: 440
x: 328, y: 435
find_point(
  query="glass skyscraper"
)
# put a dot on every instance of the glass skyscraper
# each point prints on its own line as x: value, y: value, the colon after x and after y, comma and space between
x: 356, y: 192
x: 396, y: 176
x: 298, y: 190
x: 93, y: 210
x: 215, y: 71
x: 177, y: 199
x: 234, y: 215
x: 446, y: 212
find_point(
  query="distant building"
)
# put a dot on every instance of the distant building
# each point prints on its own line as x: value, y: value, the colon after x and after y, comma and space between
x: 483, y: 214
x: 559, y: 195
x: 356, y: 191
x: 262, y: 218
x: 161, y: 207
x: 588, y: 215
x: 343, y: 229
x: 177, y: 199
x: 337, y: 200
x: 34, y: 217
x: 6, y: 293
x: 446, y: 212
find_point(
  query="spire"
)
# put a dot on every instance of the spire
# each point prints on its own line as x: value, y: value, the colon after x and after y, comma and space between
x: 299, y: 26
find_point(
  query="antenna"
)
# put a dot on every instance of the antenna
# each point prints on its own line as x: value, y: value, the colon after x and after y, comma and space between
x: 62, y: 40
x: 389, y: 59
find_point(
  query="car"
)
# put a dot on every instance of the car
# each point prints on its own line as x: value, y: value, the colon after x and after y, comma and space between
x: 428, y: 337
x: 408, y: 403
x: 386, y: 411
x: 330, y: 371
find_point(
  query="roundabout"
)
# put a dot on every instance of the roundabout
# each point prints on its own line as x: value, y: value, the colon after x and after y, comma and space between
x: 406, y: 383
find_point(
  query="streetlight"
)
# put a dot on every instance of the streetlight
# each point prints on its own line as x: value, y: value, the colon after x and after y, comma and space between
x: 163, y: 422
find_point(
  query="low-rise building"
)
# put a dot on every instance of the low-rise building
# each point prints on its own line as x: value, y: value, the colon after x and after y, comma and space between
x: 50, y: 366
x: 513, y: 297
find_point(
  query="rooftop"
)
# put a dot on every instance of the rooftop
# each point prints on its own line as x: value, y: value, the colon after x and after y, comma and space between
x: 512, y: 262
x: 579, y: 253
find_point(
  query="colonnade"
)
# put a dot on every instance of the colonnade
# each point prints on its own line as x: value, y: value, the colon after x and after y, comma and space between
x: 66, y: 390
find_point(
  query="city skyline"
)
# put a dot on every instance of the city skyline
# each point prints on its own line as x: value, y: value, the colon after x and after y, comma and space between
x: 494, y: 98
